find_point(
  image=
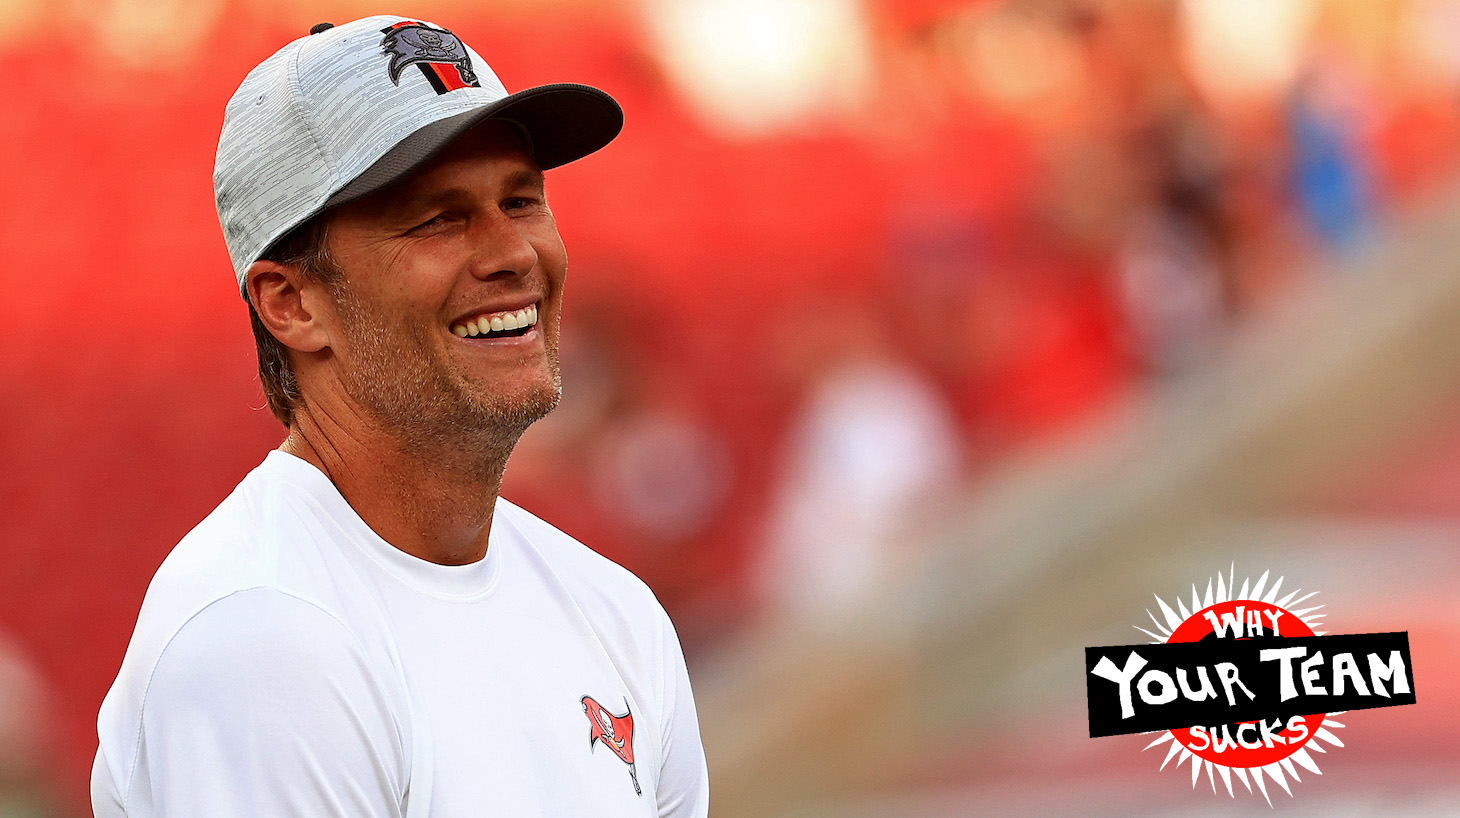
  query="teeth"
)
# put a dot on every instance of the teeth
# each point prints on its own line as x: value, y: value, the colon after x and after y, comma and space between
x: 500, y: 322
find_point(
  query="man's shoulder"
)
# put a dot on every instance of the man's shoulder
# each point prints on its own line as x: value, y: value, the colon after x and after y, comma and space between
x: 263, y: 537
x: 591, y: 577
x: 214, y: 559
x: 240, y: 544
x: 604, y: 598
x: 252, y: 589
x: 257, y: 666
x: 260, y: 625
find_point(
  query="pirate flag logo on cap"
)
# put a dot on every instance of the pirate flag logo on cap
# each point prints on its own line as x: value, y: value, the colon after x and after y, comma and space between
x: 440, y: 55
x: 616, y: 733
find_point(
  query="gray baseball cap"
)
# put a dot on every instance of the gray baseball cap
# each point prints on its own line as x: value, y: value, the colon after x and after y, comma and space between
x: 345, y: 111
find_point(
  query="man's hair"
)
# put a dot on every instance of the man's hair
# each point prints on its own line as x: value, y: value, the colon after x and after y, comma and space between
x: 305, y: 248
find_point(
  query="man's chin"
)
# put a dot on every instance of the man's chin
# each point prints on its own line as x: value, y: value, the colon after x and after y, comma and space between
x: 519, y: 408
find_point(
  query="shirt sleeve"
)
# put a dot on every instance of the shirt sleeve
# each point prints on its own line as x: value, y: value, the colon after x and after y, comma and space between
x: 263, y: 705
x: 684, y: 779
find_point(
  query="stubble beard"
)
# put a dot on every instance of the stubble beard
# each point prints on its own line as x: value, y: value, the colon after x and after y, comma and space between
x: 428, y: 408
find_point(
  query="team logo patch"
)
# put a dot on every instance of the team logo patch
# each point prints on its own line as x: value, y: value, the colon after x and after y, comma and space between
x: 616, y: 733
x: 439, y: 54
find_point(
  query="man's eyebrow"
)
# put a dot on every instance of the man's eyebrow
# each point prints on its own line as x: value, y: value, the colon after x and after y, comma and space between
x: 526, y: 177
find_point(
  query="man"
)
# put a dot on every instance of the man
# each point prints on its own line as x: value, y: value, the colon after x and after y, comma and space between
x: 363, y: 628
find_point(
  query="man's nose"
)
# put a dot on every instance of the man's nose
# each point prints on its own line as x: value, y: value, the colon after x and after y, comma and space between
x: 502, y: 248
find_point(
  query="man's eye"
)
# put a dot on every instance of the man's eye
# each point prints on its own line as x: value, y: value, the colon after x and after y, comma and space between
x: 435, y: 221
x: 518, y: 202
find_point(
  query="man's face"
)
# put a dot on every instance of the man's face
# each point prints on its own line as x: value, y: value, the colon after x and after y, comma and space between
x: 426, y: 266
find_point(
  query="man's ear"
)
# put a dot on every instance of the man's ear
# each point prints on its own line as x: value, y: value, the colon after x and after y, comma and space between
x: 288, y: 304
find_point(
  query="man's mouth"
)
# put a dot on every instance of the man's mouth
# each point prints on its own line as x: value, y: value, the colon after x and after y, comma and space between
x: 497, y: 324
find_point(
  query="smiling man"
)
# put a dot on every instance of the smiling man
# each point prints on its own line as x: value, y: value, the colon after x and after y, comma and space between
x: 364, y: 628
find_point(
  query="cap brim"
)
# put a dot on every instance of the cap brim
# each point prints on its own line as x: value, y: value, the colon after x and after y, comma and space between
x: 561, y: 122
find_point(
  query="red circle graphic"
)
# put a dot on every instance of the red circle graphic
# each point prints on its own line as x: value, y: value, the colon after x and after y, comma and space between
x: 1235, y: 739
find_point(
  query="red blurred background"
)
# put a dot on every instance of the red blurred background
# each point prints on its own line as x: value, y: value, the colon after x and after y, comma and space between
x: 1018, y: 210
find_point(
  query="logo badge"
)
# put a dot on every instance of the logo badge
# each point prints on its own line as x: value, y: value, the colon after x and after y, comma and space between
x: 1242, y: 683
x: 616, y: 733
x: 439, y: 54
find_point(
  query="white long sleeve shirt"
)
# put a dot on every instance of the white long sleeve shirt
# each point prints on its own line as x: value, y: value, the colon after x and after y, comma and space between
x: 287, y: 661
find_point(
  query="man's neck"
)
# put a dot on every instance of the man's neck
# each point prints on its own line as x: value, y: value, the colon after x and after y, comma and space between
x: 434, y: 502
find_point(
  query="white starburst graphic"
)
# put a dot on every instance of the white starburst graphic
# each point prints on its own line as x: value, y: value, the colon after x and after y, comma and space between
x: 1220, y: 591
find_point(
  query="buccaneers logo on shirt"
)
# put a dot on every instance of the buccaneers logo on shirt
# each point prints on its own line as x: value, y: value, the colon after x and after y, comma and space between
x: 616, y: 733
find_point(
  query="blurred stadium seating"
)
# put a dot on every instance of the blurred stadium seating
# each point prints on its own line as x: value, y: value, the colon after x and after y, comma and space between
x: 1164, y: 286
